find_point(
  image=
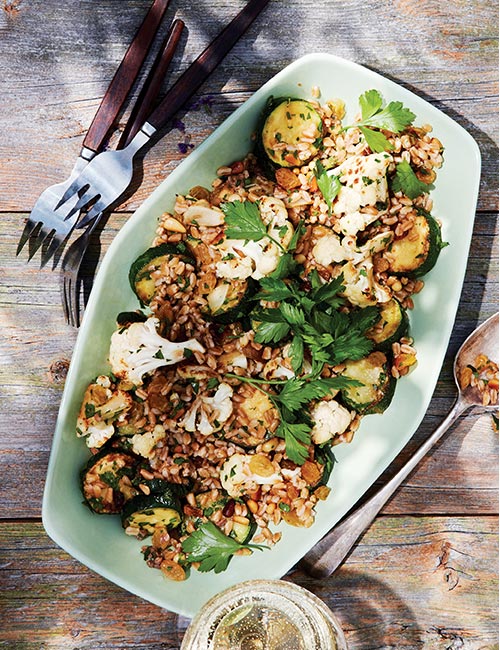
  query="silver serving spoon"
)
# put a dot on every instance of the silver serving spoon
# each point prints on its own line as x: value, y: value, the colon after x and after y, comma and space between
x: 328, y: 553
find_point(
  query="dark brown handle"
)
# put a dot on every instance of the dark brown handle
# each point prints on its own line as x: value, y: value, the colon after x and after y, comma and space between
x: 124, y: 77
x: 153, y: 83
x: 199, y: 70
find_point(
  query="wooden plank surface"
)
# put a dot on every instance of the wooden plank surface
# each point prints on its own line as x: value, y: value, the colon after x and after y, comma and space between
x: 425, y: 573
x: 409, y: 583
x: 52, y: 79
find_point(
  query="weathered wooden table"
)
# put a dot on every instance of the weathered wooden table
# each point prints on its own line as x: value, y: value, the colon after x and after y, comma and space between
x: 425, y: 574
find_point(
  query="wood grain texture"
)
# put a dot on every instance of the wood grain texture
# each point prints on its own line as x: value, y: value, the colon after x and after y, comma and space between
x: 52, y: 79
x: 408, y: 584
x: 425, y: 573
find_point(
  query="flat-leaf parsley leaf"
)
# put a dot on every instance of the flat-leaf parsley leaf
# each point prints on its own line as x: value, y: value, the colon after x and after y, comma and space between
x: 405, y: 180
x: 211, y: 548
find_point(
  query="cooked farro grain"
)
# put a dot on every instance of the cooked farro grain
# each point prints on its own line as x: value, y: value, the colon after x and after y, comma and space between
x: 482, y: 375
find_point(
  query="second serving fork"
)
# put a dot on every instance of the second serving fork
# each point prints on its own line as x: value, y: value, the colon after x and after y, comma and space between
x: 73, y: 257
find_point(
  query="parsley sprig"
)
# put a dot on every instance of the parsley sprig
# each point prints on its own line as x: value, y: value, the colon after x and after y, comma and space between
x: 328, y: 184
x: 313, y: 321
x: 243, y: 221
x: 405, y: 180
x: 292, y: 401
x: 374, y: 115
x: 211, y: 548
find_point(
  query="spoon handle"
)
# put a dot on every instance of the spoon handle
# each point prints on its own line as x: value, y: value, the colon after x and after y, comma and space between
x: 329, y: 552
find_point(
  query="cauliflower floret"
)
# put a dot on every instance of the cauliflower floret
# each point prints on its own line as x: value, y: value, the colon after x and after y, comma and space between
x: 208, y: 414
x: 100, y: 408
x: 351, y: 224
x: 241, y: 260
x: 330, y: 419
x: 364, y: 182
x: 139, y: 349
x: 98, y: 434
x: 257, y: 259
x: 143, y: 444
x: 361, y: 288
x: 330, y: 249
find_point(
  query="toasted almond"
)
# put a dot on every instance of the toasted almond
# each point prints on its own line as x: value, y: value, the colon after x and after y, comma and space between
x: 173, y: 225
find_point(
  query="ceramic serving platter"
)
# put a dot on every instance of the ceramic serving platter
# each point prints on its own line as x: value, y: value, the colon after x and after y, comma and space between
x: 99, y: 541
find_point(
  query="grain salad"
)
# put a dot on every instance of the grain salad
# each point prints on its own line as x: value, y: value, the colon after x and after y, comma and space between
x: 272, y: 317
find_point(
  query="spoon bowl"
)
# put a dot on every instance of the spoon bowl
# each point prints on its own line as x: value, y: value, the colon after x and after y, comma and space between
x: 482, y: 341
x: 329, y: 552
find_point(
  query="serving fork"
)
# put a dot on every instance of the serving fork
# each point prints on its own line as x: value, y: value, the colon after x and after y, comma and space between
x: 106, y: 178
x: 47, y: 226
x: 74, y: 255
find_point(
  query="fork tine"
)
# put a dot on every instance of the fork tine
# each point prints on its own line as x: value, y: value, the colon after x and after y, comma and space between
x: 29, y: 228
x: 66, y: 299
x: 72, y: 297
x: 95, y: 210
x: 82, y: 202
x: 36, y: 241
x: 56, y: 242
x: 75, y: 187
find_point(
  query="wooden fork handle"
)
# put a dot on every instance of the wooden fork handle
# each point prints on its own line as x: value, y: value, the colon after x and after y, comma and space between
x: 124, y: 77
x: 199, y: 70
x: 151, y: 88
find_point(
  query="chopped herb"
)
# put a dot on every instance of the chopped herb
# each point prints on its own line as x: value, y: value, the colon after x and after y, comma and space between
x: 89, y: 410
x: 213, y: 382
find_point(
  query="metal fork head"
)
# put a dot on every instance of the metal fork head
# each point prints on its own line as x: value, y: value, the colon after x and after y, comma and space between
x: 103, y: 180
x: 46, y: 227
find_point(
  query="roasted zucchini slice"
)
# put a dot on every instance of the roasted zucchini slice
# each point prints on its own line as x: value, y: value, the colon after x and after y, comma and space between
x: 106, y: 480
x: 377, y: 389
x: 141, y: 270
x: 229, y: 302
x: 417, y: 252
x: 391, y: 327
x: 147, y: 512
x: 291, y: 132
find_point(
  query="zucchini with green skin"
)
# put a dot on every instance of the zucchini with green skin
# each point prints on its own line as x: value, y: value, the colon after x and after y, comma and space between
x: 378, y: 385
x: 141, y: 270
x: 324, y: 455
x: 147, y: 512
x: 229, y: 301
x: 290, y: 133
x: 391, y: 327
x: 416, y: 253
x: 106, y: 480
